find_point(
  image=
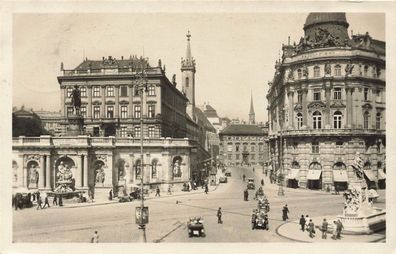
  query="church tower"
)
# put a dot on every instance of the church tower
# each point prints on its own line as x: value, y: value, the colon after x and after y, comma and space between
x: 251, y: 113
x: 188, y: 79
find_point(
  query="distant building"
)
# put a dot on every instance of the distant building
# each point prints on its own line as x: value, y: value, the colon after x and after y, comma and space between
x: 51, y: 121
x: 326, y: 103
x: 26, y: 123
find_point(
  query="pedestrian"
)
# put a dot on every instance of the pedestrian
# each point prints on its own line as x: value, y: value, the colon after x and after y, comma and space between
x: 246, y: 195
x: 206, y: 188
x: 306, y: 221
x: 157, y: 192
x: 334, y: 230
x: 95, y: 237
x: 311, y: 229
x: 302, y: 223
x: 111, y: 195
x: 340, y: 227
x: 262, y: 182
x: 39, y: 203
x: 55, y: 201
x: 219, y: 213
x: 325, y: 226
x: 46, y: 203
x: 60, y: 201
x: 285, y: 211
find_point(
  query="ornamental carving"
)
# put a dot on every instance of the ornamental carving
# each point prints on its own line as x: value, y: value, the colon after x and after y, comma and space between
x: 290, y: 75
x: 101, y: 157
x: 349, y: 68
x: 337, y: 104
x: 322, y: 38
x: 34, y: 157
x: 367, y: 106
x: 298, y: 107
x: 316, y: 105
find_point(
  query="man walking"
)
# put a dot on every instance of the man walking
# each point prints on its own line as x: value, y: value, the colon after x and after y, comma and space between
x: 311, y: 229
x: 111, y: 195
x: 339, y: 229
x: 95, y: 237
x: 325, y: 226
x: 302, y: 223
x: 46, y: 203
x: 55, y: 201
x: 285, y: 211
x: 246, y: 195
x: 334, y: 230
x: 219, y: 213
x: 157, y: 192
x: 206, y: 188
x: 39, y: 203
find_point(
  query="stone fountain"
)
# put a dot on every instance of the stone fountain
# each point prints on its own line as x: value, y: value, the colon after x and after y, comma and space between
x: 359, y: 216
x: 65, y: 183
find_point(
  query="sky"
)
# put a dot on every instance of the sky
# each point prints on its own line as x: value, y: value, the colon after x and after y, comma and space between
x: 235, y: 53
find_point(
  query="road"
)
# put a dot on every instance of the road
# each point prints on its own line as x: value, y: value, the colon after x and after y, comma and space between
x: 116, y: 222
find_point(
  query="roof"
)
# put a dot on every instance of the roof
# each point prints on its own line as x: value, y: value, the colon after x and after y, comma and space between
x: 242, y: 129
x: 111, y: 62
x: 202, y: 118
x: 209, y: 111
x: 325, y: 17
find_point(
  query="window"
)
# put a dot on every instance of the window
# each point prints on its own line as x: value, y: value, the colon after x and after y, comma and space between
x: 110, y: 111
x: 96, y: 111
x: 237, y: 156
x: 252, y: 156
x: 339, y: 147
x: 337, y: 70
x: 96, y: 131
x: 299, y: 96
x: 317, y: 120
x: 137, y: 111
x: 96, y: 91
x: 229, y: 147
x: 337, y: 120
x: 378, y: 121
x: 261, y: 147
x: 315, y: 147
x: 337, y: 93
x: 151, y: 90
x: 154, y: 171
x: 124, y: 91
x: 137, y: 131
x: 237, y: 148
x: 366, y: 117
x: 299, y: 73
x: 245, y: 148
x: 83, y: 111
x: 299, y: 120
x: 316, y: 95
x: 70, y: 111
x: 83, y: 91
x: 151, y: 110
x: 230, y: 156
x: 187, y: 81
x: 124, y: 111
x: 366, y: 93
x: 151, y: 131
x: 123, y: 131
x: 295, y: 145
x: 110, y: 91
x: 365, y: 70
x: 252, y: 147
x: 316, y: 71
x: 378, y: 96
x: 69, y: 91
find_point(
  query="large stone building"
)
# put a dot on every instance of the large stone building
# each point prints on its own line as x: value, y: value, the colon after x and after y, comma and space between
x: 326, y: 104
x: 107, y: 154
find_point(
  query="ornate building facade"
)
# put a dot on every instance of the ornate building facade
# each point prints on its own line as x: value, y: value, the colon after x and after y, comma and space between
x: 326, y: 103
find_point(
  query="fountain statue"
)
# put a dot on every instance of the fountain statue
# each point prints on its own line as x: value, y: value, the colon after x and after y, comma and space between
x: 359, y: 216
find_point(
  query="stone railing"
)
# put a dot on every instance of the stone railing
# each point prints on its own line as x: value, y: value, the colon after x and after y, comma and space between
x: 109, y: 71
x: 331, y: 132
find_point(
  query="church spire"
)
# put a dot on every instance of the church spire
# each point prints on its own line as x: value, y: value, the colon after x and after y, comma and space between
x: 188, y: 52
x: 189, y: 61
x: 251, y: 113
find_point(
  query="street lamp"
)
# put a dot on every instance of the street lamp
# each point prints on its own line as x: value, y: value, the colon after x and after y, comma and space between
x: 142, y: 211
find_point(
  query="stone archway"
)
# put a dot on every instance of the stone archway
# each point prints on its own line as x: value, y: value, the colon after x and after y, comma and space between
x: 32, y: 174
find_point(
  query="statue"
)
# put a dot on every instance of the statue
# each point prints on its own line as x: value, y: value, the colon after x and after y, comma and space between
x: 33, y: 176
x: 358, y: 165
x: 76, y: 99
x: 159, y: 63
x: 100, y: 175
x: 327, y: 69
x: 64, y: 173
x: 348, y: 69
x: 305, y: 71
x: 290, y: 76
x: 61, y: 66
x: 177, y: 169
x: 174, y: 79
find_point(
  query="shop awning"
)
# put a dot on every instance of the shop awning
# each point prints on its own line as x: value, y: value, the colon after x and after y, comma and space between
x: 293, y: 173
x: 381, y: 174
x: 370, y: 174
x: 314, y: 174
x: 340, y: 176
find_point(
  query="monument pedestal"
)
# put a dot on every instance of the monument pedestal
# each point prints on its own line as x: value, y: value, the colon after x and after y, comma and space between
x: 74, y: 125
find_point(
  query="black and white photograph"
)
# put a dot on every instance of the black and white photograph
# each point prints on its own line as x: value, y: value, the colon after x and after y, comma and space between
x: 233, y: 127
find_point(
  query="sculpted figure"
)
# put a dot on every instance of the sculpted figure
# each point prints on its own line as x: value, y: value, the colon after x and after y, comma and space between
x: 76, y: 99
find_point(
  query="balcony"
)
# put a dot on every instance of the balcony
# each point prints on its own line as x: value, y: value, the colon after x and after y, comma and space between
x: 330, y: 132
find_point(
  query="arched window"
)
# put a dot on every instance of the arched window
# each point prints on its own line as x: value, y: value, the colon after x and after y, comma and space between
x: 378, y: 121
x: 337, y: 119
x: 295, y: 164
x: 316, y: 72
x: 138, y: 169
x: 299, y: 73
x: 187, y: 81
x: 154, y: 171
x: 339, y: 166
x: 366, y: 118
x: 317, y: 120
x: 337, y: 70
x: 299, y: 120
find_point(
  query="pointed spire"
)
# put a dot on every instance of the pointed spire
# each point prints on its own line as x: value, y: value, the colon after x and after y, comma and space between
x: 188, y: 52
x: 188, y: 62
x: 251, y: 113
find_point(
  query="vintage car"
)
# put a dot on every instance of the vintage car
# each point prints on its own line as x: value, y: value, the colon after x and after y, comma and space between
x: 195, y: 227
x: 250, y: 184
x: 228, y: 173
x: 223, y: 179
x: 260, y: 219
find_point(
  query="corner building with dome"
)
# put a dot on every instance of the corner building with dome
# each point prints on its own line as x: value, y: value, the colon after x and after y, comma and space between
x: 326, y: 105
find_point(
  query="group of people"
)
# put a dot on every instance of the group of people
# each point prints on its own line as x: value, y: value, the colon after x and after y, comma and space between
x: 308, y: 225
x: 25, y: 201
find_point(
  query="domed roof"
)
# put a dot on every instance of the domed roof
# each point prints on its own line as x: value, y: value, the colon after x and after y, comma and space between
x: 325, y: 17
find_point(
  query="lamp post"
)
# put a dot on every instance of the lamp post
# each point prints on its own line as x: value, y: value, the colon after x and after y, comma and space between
x: 142, y: 211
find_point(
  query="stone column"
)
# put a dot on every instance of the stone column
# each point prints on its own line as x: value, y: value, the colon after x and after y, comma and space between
x: 291, y: 111
x: 117, y: 98
x: 351, y: 108
x: 373, y: 99
x: 348, y: 107
x: 41, y: 173
x: 89, y: 106
x: 48, y: 171
x: 130, y: 107
x: 328, y: 98
x: 85, y: 171
x: 103, y: 113
x: 304, y: 106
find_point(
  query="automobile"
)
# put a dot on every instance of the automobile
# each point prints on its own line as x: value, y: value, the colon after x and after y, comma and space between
x: 227, y: 173
x: 195, y: 227
x: 260, y: 220
x: 250, y: 184
x: 223, y: 179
